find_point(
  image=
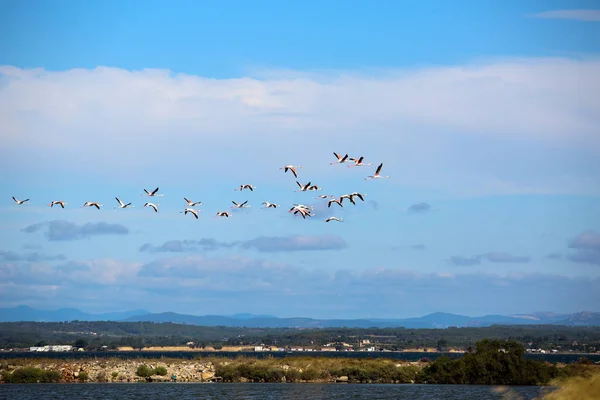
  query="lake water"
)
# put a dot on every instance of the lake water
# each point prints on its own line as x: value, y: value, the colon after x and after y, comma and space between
x: 263, y: 391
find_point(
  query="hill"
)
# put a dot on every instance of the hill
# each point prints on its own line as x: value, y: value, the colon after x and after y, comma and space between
x: 434, y: 320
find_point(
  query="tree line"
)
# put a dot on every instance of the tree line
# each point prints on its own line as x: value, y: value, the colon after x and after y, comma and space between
x: 96, y: 334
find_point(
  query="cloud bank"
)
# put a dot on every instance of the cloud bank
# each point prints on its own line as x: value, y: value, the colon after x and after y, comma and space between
x: 423, y: 119
x: 587, y: 245
x: 265, y: 244
x: 228, y: 284
x: 59, y: 230
x: 494, y: 257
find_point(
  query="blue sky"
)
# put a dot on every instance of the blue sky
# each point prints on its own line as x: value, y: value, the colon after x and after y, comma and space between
x: 485, y: 116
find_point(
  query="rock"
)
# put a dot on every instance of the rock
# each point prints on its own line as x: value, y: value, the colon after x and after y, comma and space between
x: 342, y: 379
x: 207, y: 376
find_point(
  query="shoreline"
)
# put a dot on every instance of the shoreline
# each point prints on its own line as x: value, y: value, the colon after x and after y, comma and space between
x: 213, y: 369
x: 201, y: 370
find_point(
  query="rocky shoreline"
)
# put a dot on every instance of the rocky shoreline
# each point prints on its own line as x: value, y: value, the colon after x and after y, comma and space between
x: 177, y: 370
x: 120, y: 371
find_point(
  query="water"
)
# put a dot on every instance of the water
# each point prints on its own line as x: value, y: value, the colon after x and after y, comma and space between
x: 263, y: 391
x: 407, y: 356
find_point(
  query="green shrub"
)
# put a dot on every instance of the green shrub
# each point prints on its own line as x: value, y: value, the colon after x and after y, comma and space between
x: 162, y: 371
x: 229, y: 373
x: 293, y: 375
x: 31, y: 375
x: 144, y: 371
x: 494, y: 362
x: 83, y: 376
x: 310, y: 374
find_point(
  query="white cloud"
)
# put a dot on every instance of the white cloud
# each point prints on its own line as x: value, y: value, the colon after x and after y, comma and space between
x: 437, y: 121
x: 577, y: 15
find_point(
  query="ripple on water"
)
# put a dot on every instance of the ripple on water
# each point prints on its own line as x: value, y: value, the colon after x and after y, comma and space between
x: 263, y: 391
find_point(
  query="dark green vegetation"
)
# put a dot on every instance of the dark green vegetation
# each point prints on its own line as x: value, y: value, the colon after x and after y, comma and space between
x: 94, y: 335
x: 31, y: 375
x: 315, y: 369
x: 145, y: 371
x: 492, y: 362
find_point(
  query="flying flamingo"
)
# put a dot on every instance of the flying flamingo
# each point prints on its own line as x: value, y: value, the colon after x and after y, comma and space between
x: 304, y: 212
x: 223, y: 214
x: 155, y: 206
x: 377, y: 176
x: 303, y: 188
x: 347, y: 196
x: 123, y: 205
x: 338, y: 201
x: 359, y: 195
x: 324, y: 196
x: 153, y: 193
x: 270, y: 205
x: 340, y: 160
x: 193, y: 203
x: 92, y: 204
x: 191, y: 211
x: 358, y: 162
x: 292, y: 168
x: 240, y: 205
x: 58, y: 202
x: 19, y: 202
x: 246, y: 186
x: 334, y: 219
x: 298, y: 207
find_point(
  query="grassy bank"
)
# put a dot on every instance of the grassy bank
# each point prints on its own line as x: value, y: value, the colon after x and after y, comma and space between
x: 317, y: 369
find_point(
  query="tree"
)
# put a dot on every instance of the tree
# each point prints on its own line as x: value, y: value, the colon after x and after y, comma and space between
x: 81, y: 343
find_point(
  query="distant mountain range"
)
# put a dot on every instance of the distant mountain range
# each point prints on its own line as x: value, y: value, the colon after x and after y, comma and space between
x: 435, y: 320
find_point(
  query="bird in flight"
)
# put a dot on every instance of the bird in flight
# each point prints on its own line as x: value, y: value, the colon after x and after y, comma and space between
x: 303, y: 188
x: 377, y: 173
x: 19, y: 202
x: 152, y: 193
x: 358, y: 162
x: 92, y: 204
x: 334, y: 200
x: 193, y: 203
x: 246, y: 186
x: 240, y: 205
x: 340, y: 160
x: 334, y: 219
x: 191, y: 211
x: 292, y: 168
x: 123, y: 205
x: 155, y: 206
x: 58, y: 202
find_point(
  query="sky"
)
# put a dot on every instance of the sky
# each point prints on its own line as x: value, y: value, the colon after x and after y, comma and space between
x: 486, y: 117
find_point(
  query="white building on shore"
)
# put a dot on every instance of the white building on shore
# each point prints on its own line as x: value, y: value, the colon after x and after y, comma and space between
x: 54, y: 347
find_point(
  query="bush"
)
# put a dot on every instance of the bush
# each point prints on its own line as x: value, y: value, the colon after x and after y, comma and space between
x: 229, y: 373
x: 83, y: 376
x: 493, y: 362
x: 115, y: 374
x: 144, y: 371
x: 31, y: 375
x: 162, y: 371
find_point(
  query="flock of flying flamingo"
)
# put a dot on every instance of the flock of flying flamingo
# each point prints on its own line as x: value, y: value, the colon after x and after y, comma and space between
x: 297, y: 209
